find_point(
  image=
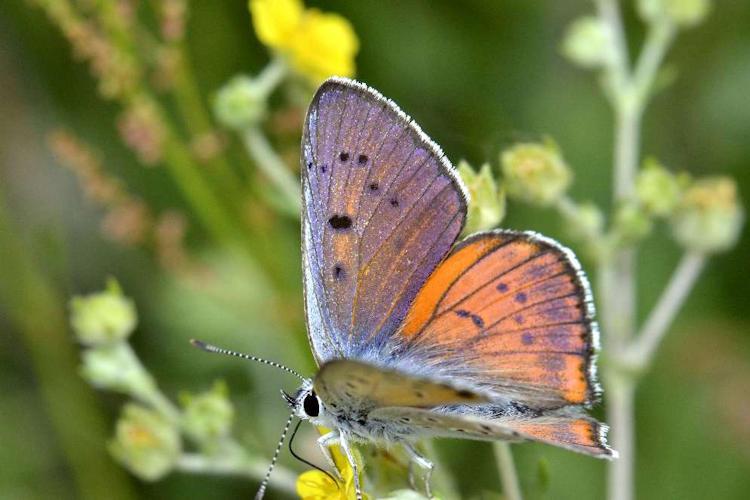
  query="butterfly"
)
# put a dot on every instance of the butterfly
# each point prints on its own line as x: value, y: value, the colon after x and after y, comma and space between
x: 418, y: 335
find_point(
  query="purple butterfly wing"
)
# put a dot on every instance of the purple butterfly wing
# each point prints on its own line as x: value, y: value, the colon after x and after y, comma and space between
x: 381, y: 208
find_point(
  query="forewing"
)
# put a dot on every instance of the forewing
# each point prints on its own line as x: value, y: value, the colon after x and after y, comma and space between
x: 576, y: 433
x: 354, y: 384
x: 381, y: 207
x: 510, y: 312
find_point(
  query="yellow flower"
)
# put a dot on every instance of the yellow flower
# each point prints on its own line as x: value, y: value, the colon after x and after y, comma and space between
x: 325, y: 45
x: 275, y: 21
x: 315, y: 44
x: 316, y: 485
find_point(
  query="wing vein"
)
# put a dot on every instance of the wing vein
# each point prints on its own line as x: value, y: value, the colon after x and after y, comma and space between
x: 408, y: 282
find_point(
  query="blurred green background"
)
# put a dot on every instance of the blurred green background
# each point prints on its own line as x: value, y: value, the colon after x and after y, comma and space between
x: 477, y: 75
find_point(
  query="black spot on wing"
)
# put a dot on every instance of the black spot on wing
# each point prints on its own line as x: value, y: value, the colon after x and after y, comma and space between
x: 477, y: 320
x: 343, y: 156
x: 362, y: 159
x: 338, y: 272
x: 340, y: 222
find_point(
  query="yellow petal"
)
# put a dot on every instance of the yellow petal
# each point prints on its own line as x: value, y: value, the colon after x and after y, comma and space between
x: 314, y: 485
x: 324, y: 45
x: 275, y: 21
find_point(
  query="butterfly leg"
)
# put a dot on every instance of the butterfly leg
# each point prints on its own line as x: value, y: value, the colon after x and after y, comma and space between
x: 325, y: 442
x: 352, y: 462
x: 425, y: 464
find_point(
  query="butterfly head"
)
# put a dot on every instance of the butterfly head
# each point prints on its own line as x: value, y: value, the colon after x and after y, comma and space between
x: 306, y: 404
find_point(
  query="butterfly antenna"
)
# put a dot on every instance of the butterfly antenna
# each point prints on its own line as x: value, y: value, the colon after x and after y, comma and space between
x: 213, y: 348
x: 264, y: 484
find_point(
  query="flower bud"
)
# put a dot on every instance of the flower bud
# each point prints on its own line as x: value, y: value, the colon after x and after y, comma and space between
x: 709, y: 217
x: 535, y: 173
x: 584, y: 221
x: 487, y: 204
x: 145, y: 442
x: 103, y: 317
x: 686, y: 13
x: 241, y: 102
x: 631, y: 223
x: 116, y: 368
x: 209, y: 415
x: 588, y: 42
x: 658, y: 190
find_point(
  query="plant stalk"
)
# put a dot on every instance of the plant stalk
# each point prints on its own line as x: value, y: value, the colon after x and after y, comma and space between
x: 629, y: 92
x: 620, y: 412
x: 282, y: 479
x: 274, y: 169
x: 507, y: 470
x: 642, y: 350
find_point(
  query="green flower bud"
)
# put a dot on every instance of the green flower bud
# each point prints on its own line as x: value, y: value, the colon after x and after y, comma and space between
x: 710, y: 216
x: 145, y: 442
x: 103, y: 317
x: 658, y: 190
x: 209, y: 415
x: 241, y: 102
x: 116, y: 368
x: 588, y: 42
x: 535, y: 173
x: 631, y: 223
x: 684, y: 13
x: 487, y: 205
x: 584, y: 221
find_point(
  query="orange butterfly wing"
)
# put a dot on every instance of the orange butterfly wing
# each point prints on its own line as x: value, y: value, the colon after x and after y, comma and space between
x: 510, y: 312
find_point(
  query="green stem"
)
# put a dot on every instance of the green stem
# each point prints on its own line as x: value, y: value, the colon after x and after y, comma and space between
x: 642, y: 350
x: 660, y: 36
x: 204, y: 201
x: 274, y: 169
x: 620, y: 411
x: 271, y: 76
x: 507, y: 470
x: 145, y: 388
x: 197, y: 120
x: 617, y: 275
x: 282, y: 479
x: 618, y: 66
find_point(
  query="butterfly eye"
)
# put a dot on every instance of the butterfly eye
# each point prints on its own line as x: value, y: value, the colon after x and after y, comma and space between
x: 311, y: 406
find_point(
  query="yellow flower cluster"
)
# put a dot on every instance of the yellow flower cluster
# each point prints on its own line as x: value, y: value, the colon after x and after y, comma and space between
x: 315, y: 44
